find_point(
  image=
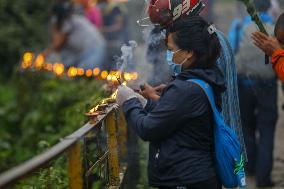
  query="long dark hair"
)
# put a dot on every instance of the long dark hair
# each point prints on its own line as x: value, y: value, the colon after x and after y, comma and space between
x: 192, y: 34
x: 61, y: 10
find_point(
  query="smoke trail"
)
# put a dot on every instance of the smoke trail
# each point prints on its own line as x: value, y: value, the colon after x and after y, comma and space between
x: 154, y: 38
x: 153, y: 35
x: 126, y: 56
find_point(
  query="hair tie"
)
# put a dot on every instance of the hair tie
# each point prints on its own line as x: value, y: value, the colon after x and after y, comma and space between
x: 211, y: 29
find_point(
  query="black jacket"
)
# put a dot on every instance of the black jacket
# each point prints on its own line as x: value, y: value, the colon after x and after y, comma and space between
x: 179, y: 128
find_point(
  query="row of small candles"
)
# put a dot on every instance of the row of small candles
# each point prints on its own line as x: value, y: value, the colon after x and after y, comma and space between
x: 30, y: 60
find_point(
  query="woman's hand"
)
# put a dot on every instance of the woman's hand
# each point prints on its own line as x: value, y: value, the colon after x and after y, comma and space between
x: 267, y: 44
x: 124, y: 93
x: 152, y: 92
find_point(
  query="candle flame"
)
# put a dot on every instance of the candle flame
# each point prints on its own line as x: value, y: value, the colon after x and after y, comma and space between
x: 89, y: 73
x: 39, y: 62
x: 96, y: 71
x: 58, y: 69
x: 113, y: 96
x: 72, y: 72
x: 29, y: 60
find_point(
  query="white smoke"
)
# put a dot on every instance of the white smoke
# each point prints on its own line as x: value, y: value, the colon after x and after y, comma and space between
x: 153, y: 38
x: 126, y: 56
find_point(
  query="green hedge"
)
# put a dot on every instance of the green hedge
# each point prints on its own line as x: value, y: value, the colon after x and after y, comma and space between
x: 24, y: 26
x: 37, y: 109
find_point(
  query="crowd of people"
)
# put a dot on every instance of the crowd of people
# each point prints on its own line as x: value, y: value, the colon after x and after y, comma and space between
x: 176, y: 118
x: 86, y: 34
x: 257, y: 85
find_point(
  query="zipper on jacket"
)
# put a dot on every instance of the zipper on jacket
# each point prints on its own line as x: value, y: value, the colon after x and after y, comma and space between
x: 156, y: 157
x: 157, y: 154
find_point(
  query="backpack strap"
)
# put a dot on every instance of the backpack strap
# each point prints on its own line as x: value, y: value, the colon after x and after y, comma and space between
x: 210, y: 96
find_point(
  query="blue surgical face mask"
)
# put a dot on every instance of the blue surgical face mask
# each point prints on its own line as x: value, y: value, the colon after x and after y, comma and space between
x: 175, y: 68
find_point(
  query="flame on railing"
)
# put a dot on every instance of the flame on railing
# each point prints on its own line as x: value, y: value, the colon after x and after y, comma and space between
x: 29, y: 60
x: 39, y: 62
x: 102, y: 105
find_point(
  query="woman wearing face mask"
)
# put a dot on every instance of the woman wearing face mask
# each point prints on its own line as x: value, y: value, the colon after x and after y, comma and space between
x: 179, y: 124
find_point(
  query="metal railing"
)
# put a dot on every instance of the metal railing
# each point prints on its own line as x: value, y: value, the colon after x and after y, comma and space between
x: 107, y: 136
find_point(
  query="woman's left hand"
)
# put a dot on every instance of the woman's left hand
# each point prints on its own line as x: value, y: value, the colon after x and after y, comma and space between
x: 124, y: 93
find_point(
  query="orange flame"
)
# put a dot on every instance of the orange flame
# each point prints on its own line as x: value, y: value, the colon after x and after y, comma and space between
x: 109, y: 77
x: 134, y: 76
x: 127, y: 76
x: 27, y: 60
x: 104, y: 74
x: 80, y: 71
x: 58, y: 69
x: 113, y: 96
x: 39, y: 61
x: 89, y: 73
x: 96, y: 71
x: 48, y: 67
x: 72, y: 72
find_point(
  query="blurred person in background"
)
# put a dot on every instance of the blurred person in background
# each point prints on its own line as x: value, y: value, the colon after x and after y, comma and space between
x: 237, y: 25
x: 258, y: 97
x: 90, y: 10
x: 208, y: 12
x: 242, y: 19
x: 114, y: 28
x: 74, y: 39
x: 274, y: 10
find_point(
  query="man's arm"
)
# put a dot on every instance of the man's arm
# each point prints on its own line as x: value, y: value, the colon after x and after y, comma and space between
x: 58, y: 40
x: 278, y: 63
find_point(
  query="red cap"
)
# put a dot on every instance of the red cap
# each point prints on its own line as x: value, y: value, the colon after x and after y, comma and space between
x: 165, y: 12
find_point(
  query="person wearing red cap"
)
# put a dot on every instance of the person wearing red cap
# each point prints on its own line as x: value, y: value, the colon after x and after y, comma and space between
x: 92, y: 12
x: 179, y: 124
x: 165, y: 13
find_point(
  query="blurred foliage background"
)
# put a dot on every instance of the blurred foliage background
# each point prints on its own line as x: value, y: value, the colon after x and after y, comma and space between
x: 24, y: 27
x: 36, y: 109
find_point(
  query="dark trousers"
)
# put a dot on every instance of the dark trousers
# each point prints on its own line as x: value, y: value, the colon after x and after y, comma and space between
x: 212, y: 183
x: 258, y: 104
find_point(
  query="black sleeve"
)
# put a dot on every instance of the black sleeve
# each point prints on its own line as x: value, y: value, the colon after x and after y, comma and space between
x: 175, y: 106
x: 150, y: 105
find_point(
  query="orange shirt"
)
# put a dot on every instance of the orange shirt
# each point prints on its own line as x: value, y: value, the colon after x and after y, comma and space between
x: 278, y: 63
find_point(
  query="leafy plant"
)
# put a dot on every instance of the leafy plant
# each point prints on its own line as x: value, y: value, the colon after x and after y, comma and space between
x: 36, y: 107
